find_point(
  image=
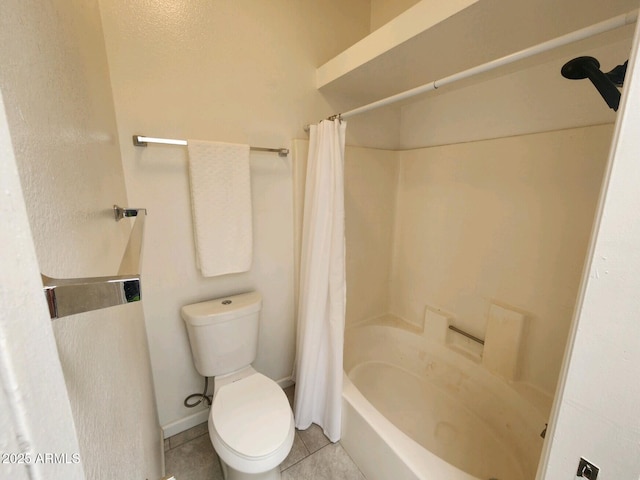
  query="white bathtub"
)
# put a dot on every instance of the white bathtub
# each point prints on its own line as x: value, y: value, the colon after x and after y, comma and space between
x: 416, y: 409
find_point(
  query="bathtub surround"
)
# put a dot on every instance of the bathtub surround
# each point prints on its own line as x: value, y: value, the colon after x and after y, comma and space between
x: 436, y: 325
x: 220, y: 185
x: 503, y: 339
x: 513, y: 218
x: 321, y: 303
x: 502, y: 221
x: 371, y: 178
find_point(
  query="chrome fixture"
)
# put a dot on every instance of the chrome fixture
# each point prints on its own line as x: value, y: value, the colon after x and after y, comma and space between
x: 142, y: 141
x: 121, y: 213
x: 76, y: 295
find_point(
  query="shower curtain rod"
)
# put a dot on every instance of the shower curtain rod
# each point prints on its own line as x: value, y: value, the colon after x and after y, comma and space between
x: 582, y: 34
x: 142, y: 141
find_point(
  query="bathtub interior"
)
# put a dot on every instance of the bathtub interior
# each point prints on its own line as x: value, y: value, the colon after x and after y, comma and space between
x: 438, y: 393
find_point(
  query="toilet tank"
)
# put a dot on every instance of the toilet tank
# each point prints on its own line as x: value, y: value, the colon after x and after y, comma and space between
x: 223, y: 333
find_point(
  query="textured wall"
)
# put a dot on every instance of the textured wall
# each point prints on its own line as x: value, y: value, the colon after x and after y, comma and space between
x: 9, y: 443
x: 243, y: 72
x: 504, y: 220
x: 60, y: 112
x: 35, y: 412
x: 383, y: 11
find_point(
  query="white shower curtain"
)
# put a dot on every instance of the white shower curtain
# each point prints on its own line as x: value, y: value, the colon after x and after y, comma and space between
x: 321, y: 302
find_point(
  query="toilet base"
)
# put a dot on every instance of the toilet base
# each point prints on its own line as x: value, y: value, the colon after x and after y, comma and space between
x: 233, y: 474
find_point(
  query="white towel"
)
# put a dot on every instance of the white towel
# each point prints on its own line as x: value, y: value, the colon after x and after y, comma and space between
x: 221, y: 206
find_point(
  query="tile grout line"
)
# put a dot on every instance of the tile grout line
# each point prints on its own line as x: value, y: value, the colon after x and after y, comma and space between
x: 308, y: 455
x: 194, y: 438
x: 347, y: 453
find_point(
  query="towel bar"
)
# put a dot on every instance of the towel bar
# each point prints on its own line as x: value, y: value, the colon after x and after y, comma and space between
x: 76, y: 295
x: 142, y: 141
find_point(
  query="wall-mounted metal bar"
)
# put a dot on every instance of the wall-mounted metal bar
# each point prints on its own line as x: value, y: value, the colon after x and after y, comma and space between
x: 142, y: 141
x: 465, y: 334
x: 77, y: 295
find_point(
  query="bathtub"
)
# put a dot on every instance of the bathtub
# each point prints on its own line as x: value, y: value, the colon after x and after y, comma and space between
x: 417, y: 409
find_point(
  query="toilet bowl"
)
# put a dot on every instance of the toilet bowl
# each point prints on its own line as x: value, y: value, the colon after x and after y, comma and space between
x: 250, y: 423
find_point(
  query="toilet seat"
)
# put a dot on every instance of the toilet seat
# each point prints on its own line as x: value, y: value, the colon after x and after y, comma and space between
x: 251, y: 424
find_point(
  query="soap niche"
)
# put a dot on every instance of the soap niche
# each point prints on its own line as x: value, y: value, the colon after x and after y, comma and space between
x: 498, y: 351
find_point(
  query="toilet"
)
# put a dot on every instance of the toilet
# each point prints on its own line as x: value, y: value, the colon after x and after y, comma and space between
x: 250, y: 423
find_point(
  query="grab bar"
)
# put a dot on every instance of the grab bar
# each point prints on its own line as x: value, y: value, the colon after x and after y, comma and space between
x: 76, y: 295
x: 465, y: 334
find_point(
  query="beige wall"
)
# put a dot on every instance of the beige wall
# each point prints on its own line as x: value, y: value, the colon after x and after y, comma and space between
x: 35, y: 411
x: 55, y: 82
x: 505, y: 220
x: 371, y: 178
x: 233, y: 71
x: 383, y: 11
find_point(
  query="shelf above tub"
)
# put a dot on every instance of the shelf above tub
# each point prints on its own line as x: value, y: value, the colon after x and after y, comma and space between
x: 77, y: 295
x: 434, y: 39
x: 387, y: 40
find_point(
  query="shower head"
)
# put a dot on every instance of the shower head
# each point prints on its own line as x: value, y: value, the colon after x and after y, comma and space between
x: 589, y: 67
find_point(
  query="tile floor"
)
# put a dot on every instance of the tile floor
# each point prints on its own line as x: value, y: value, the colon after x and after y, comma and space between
x: 190, y: 456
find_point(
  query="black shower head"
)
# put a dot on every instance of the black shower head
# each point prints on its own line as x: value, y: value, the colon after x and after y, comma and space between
x: 589, y: 67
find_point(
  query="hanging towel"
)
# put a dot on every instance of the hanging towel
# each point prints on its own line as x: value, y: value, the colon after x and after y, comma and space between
x: 221, y: 206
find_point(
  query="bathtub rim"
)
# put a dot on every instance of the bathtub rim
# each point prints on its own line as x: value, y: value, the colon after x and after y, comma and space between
x: 416, y: 457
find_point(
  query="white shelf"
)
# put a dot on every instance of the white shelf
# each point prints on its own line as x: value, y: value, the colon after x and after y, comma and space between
x: 412, y: 23
x: 430, y: 41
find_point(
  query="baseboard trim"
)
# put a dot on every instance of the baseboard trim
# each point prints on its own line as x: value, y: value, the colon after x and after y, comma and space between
x: 185, y: 423
x: 285, y: 382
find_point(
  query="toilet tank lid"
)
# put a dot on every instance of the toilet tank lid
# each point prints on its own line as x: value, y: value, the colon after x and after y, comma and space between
x: 221, y: 309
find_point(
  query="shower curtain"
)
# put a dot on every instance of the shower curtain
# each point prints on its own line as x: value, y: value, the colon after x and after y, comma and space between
x: 321, y: 302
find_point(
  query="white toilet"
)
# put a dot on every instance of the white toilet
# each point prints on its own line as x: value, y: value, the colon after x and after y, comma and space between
x: 250, y: 423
